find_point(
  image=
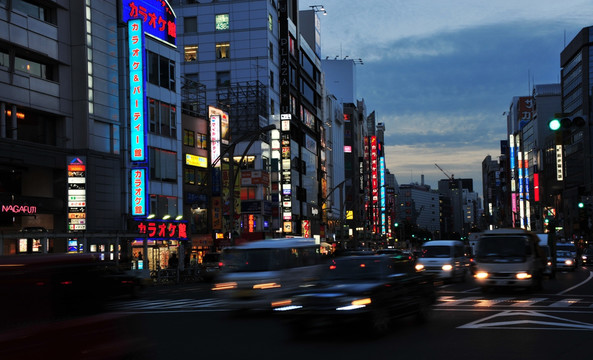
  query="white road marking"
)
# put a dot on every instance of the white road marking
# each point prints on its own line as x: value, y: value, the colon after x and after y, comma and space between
x: 565, y: 302
x: 527, y: 302
x: 577, y: 285
x: 540, y: 322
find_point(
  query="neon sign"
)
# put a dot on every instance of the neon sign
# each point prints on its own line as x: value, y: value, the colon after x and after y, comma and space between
x: 138, y: 192
x: 137, y: 118
x: 157, y: 17
x: 76, y: 193
x: 163, y: 229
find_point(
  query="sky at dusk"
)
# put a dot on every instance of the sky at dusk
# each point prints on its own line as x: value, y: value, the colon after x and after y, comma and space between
x: 440, y: 74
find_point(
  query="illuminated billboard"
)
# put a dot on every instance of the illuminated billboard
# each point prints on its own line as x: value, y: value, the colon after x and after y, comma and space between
x: 138, y: 177
x: 76, y: 193
x: 137, y: 90
x: 157, y: 17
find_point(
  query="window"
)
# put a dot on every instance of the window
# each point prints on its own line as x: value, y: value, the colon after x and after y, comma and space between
x: 271, y: 79
x: 163, y: 205
x: 190, y: 24
x: 271, y: 51
x: 223, y: 50
x: 248, y: 193
x: 189, y: 138
x: 202, y: 141
x: 270, y: 22
x: 194, y: 176
x: 223, y: 78
x: 4, y: 59
x: 44, y: 71
x: 161, y: 71
x: 163, y: 165
x: 162, y: 118
x: 190, y: 52
x: 39, y: 12
x: 222, y: 22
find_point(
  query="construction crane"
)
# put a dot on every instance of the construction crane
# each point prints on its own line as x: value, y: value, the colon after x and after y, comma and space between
x: 452, y: 177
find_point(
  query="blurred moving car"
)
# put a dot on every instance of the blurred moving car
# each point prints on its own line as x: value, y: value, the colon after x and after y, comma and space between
x: 368, y: 290
x: 587, y: 257
x: 549, y: 270
x: 445, y: 259
x: 49, y: 286
x: 565, y: 260
x: 257, y: 273
x: 211, y: 265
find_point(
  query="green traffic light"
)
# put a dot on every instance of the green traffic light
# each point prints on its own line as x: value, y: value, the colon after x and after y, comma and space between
x: 554, y: 124
x: 581, y: 205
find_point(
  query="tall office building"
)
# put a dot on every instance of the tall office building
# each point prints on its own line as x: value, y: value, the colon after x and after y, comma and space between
x: 89, y: 127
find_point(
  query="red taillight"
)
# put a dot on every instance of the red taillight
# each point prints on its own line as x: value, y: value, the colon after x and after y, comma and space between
x: 220, y: 264
x: 332, y: 267
x: 66, y: 282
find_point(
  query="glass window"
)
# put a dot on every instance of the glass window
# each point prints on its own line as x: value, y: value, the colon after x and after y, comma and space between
x: 189, y: 138
x: 223, y: 50
x: 222, y: 22
x: 162, y: 118
x: 271, y: 51
x: 190, y: 24
x: 190, y: 52
x: 223, y: 78
x: 35, y: 11
x: 43, y: 71
x: 202, y: 141
x: 270, y: 22
x: 161, y: 71
x: 163, y: 164
x: 4, y: 59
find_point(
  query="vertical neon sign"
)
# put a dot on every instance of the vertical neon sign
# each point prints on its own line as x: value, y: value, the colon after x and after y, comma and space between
x: 137, y: 89
x: 138, y: 177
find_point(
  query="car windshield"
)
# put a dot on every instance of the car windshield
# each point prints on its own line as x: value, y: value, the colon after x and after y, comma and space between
x: 563, y: 253
x: 355, y: 269
x: 503, y: 247
x: 436, y: 251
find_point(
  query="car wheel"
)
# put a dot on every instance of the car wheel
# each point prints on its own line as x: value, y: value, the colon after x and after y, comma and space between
x: 380, y: 321
x: 424, y: 310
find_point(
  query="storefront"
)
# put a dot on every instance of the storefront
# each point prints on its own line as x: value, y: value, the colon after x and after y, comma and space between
x: 160, y: 244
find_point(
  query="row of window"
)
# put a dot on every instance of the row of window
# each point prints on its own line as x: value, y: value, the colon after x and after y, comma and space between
x: 223, y: 51
x: 193, y: 139
x: 23, y: 64
x: 221, y: 23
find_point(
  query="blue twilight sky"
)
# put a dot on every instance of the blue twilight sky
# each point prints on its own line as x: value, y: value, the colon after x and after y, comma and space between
x: 441, y: 73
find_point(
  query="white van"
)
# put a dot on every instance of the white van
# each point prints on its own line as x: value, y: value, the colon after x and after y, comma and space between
x: 445, y: 259
x: 509, y: 258
x: 257, y: 274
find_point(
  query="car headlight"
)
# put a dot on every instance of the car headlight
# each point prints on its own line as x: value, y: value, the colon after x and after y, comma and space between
x: 523, y: 276
x: 481, y: 275
x: 355, y: 304
x: 225, y: 286
x: 568, y: 262
x: 447, y: 267
x: 419, y: 267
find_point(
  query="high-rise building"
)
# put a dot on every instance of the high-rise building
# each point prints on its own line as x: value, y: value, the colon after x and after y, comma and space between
x: 88, y: 140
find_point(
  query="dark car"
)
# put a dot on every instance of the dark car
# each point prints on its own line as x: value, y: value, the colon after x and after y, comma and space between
x: 565, y: 260
x: 587, y: 256
x: 371, y: 290
x: 211, y: 266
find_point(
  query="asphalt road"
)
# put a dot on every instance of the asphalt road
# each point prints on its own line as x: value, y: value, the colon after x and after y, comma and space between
x: 184, y: 321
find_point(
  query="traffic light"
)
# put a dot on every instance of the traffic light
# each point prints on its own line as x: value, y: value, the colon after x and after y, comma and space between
x: 563, y: 123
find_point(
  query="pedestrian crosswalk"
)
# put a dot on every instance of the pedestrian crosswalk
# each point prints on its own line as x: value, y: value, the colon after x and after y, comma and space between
x: 444, y: 301
x: 169, y: 305
x: 513, y: 302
